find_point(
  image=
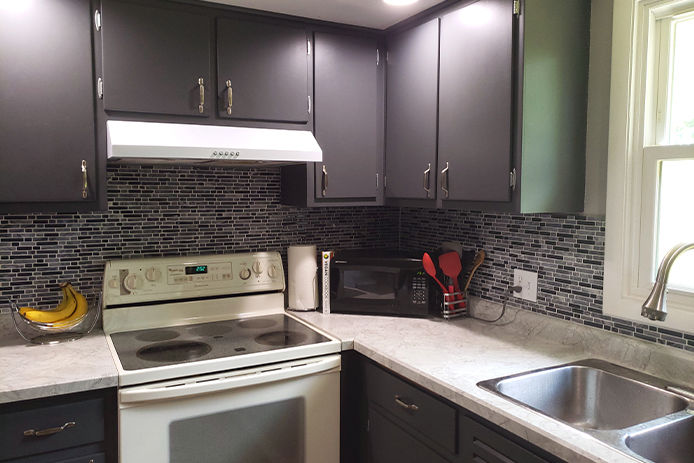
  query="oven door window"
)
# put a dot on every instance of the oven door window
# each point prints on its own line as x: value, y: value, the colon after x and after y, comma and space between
x: 268, y: 433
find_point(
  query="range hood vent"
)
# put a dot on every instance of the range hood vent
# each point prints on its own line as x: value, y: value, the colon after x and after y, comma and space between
x: 158, y: 143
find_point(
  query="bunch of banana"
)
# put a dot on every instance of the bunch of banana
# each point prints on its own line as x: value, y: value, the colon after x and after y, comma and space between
x: 71, y: 310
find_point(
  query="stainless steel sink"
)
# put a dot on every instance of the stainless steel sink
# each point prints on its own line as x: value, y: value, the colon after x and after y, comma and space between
x: 670, y: 442
x: 630, y: 411
x: 588, y: 397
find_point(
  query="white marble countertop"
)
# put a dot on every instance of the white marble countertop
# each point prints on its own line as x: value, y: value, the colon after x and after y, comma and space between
x: 450, y: 357
x: 29, y: 371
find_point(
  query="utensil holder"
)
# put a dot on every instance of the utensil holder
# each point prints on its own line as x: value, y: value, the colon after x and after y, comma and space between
x: 45, y: 333
x: 452, y: 305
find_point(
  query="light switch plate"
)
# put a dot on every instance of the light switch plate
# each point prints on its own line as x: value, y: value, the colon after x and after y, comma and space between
x: 528, y: 281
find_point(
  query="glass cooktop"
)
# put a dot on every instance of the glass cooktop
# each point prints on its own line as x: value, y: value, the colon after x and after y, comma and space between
x: 205, y: 341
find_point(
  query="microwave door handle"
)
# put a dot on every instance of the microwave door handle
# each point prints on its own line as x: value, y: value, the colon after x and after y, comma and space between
x: 225, y: 383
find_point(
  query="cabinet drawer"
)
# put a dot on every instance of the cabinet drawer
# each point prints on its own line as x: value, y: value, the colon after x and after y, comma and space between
x: 16, y: 438
x: 420, y: 410
x: 389, y: 443
x: 482, y: 445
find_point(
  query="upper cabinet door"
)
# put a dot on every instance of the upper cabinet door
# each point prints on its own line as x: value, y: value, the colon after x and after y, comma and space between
x: 475, y: 101
x: 349, y: 115
x: 411, y: 106
x: 262, y: 71
x: 47, y: 101
x: 156, y: 60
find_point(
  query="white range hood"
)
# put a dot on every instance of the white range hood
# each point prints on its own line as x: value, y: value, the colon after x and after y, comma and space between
x: 154, y: 142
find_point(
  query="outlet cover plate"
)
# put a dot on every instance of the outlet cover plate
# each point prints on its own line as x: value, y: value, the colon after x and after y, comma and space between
x: 528, y: 281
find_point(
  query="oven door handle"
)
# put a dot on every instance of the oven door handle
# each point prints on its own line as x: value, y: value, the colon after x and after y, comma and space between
x: 229, y: 380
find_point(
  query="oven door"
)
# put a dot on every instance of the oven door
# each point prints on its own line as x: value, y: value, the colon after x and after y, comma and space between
x: 280, y: 413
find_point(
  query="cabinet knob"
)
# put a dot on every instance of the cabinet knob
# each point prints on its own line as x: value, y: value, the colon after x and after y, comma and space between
x: 48, y: 431
x: 405, y: 405
x: 85, y: 184
x: 427, y: 177
x: 444, y: 181
x: 201, y: 84
x: 230, y: 96
x: 324, y: 188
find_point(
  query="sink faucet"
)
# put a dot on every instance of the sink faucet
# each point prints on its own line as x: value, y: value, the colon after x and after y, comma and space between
x: 654, y: 308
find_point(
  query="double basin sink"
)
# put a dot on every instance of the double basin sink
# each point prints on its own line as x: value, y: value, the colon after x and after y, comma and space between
x: 640, y: 415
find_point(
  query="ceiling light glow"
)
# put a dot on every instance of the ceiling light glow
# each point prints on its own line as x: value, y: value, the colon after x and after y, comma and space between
x: 399, y: 2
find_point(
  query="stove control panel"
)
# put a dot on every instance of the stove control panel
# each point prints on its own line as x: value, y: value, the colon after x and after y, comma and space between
x: 131, y: 281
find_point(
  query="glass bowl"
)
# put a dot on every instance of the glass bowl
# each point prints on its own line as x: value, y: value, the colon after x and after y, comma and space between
x: 51, y: 333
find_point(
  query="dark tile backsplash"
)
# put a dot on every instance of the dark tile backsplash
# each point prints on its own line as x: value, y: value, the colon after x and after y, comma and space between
x: 160, y: 211
x: 566, y: 251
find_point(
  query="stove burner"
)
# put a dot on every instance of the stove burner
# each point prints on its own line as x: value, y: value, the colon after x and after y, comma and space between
x: 281, y: 338
x: 210, y: 329
x: 156, y: 335
x: 257, y: 323
x: 174, y: 351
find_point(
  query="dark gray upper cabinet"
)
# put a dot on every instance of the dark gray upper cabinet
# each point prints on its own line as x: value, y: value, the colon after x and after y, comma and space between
x: 411, y: 102
x: 156, y: 59
x: 348, y: 116
x: 262, y: 71
x: 47, y: 101
x: 475, y: 102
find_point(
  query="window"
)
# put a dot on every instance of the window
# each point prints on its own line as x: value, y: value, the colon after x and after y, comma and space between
x: 651, y: 157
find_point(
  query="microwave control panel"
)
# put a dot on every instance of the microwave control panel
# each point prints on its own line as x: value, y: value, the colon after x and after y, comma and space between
x: 420, y: 289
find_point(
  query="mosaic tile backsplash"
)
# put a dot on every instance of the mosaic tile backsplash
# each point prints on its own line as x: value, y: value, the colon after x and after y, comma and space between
x: 160, y: 211
x: 566, y: 251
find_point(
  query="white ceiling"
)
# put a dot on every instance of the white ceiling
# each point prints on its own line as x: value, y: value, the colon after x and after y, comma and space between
x: 367, y: 13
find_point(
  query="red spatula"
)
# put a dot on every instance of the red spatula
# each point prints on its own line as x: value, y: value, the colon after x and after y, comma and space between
x: 451, y: 266
x: 430, y: 268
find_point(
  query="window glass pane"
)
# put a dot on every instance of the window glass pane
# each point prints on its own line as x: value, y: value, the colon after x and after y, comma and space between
x: 681, y: 127
x: 676, y: 219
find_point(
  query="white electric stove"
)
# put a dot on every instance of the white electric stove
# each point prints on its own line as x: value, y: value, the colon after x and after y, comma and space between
x: 211, y: 368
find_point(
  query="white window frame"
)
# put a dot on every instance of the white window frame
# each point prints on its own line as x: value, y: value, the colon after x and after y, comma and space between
x: 633, y: 162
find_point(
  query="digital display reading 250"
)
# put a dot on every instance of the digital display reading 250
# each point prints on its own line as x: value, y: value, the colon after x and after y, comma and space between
x: 196, y: 269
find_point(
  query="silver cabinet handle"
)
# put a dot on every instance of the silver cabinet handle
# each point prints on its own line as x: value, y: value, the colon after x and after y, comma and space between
x: 48, y: 431
x: 324, y: 182
x: 85, y: 184
x: 405, y: 405
x: 230, y: 97
x: 201, y: 84
x: 444, y: 181
x: 427, y: 179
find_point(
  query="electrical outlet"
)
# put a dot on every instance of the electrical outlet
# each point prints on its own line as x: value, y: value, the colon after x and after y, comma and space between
x: 528, y: 282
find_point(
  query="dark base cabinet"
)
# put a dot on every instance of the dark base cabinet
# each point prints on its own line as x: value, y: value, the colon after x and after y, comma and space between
x: 73, y: 428
x: 387, y: 419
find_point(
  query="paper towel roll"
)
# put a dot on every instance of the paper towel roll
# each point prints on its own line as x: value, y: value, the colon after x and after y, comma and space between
x: 303, y: 277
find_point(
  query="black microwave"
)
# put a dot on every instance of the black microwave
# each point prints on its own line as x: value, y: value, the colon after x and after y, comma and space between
x: 378, y: 282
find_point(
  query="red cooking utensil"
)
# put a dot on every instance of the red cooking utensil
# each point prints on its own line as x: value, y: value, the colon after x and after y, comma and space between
x: 430, y: 268
x: 451, y: 266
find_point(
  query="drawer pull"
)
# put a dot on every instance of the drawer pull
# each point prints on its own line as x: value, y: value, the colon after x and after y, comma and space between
x: 48, y: 431
x: 405, y: 405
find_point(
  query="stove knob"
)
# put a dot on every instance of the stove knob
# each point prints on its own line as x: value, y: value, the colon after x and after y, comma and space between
x: 245, y: 274
x: 153, y: 274
x: 132, y: 282
x: 113, y: 283
x: 257, y: 267
x: 272, y: 271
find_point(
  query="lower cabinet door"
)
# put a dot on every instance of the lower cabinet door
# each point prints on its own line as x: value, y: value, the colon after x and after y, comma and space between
x: 389, y: 443
x: 93, y: 458
x: 480, y: 444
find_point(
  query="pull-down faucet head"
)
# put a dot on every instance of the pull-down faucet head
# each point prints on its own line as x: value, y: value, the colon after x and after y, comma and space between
x: 654, y: 308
